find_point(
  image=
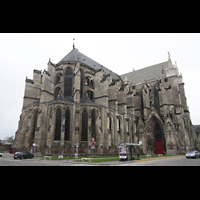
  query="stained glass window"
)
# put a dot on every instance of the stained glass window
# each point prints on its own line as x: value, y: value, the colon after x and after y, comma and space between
x: 67, y: 124
x: 84, y: 126
x: 68, y: 82
x: 58, y: 124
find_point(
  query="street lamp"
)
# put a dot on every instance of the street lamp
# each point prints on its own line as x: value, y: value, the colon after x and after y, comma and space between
x: 76, y: 155
x: 34, y: 148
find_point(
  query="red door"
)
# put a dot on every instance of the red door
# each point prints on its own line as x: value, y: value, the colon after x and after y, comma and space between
x: 159, y: 147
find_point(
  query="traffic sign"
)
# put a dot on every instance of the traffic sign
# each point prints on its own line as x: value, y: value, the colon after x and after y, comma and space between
x: 93, y: 142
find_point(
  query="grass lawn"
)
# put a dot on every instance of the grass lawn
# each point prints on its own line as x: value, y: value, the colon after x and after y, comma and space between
x: 106, y: 158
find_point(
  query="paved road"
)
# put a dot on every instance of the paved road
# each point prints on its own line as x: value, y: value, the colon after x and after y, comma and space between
x: 170, y: 161
x: 8, y: 160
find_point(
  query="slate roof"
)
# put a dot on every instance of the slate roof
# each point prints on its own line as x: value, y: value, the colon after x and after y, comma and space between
x: 74, y: 56
x: 147, y: 73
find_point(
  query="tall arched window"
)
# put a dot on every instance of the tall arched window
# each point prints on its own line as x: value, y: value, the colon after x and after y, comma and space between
x: 67, y: 124
x: 58, y: 124
x: 118, y: 125
x: 81, y: 84
x: 57, y: 78
x: 68, y: 82
x: 93, y: 123
x: 84, y: 126
x: 57, y: 91
x: 34, y: 126
x: 156, y: 98
x: 158, y: 132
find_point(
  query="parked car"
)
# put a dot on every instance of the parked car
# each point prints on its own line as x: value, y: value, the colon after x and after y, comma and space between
x: 1, y: 154
x: 23, y: 154
x: 192, y: 154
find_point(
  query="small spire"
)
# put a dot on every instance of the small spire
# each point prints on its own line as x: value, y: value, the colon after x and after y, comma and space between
x: 126, y: 79
x: 168, y: 56
x: 73, y: 43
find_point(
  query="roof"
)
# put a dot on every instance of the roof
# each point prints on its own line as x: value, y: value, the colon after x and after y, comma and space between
x: 145, y: 74
x: 74, y: 56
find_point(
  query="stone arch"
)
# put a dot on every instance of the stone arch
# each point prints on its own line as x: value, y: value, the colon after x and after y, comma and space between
x: 155, y: 133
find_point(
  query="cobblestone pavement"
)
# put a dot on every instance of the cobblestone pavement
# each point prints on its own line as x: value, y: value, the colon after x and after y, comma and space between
x: 8, y: 160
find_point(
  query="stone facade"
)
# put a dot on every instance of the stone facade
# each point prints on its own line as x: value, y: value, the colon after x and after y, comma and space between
x: 77, y: 99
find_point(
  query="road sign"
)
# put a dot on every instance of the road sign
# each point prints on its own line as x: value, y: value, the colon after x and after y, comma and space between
x: 93, y: 142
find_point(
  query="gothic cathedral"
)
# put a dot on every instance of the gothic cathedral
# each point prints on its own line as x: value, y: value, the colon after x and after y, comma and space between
x: 78, y: 98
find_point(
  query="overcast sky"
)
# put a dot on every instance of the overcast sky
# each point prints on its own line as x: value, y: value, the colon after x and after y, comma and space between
x: 21, y: 53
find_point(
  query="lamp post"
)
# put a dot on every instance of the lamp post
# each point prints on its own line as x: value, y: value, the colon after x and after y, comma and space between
x: 76, y: 155
x: 33, y: 148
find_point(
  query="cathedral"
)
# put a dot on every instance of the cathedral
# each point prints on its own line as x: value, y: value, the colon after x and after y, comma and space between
x: 78, y: 99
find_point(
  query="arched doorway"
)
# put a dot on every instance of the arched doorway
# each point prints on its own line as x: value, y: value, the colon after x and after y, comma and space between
x: 158, y: 134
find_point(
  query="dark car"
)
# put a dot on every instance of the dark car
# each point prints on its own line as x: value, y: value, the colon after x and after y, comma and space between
x: 23, y: 154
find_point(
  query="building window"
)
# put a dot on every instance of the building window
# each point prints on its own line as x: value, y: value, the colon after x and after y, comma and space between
x: 58, y: 78
x: 158, y: 132
x: 91, y: 84
x: 156, y: 98
x: 90, y: 95
x: 58, y: 124
x: 118, y: 125
x: 81, y: 84
x: 67, y: 124
x: 84, y: 126
x: 93, y: 123
x: 68, y: 82
x: 57, y: 92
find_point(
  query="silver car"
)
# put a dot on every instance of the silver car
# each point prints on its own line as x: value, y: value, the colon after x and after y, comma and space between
x: 192, y: 154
